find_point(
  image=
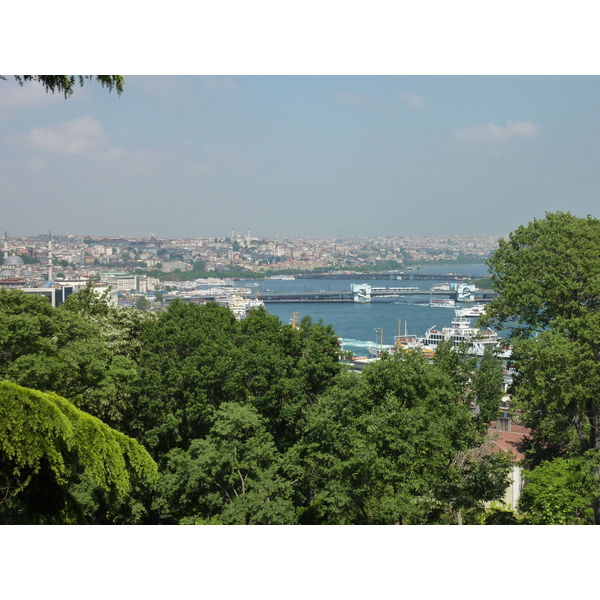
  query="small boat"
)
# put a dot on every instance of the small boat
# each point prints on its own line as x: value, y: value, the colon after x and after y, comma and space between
x: 471, y: 311
x: 362, y: 361
x: 377, y: 352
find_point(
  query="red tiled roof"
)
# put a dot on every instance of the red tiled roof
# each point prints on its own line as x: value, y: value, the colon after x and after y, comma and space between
x: 508, y: 441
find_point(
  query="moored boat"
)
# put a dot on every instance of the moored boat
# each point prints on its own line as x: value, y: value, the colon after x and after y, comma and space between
x: 461, y: 332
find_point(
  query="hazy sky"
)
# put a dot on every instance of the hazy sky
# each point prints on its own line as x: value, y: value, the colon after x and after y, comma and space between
x: 318, y: 156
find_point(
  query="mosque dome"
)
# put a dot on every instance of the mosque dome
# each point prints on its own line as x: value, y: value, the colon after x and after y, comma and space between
x: 7, y: 273
x: 13, y: 261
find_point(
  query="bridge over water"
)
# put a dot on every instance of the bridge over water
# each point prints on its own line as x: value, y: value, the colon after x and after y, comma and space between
x: 363, y: 292
x: 358, y: 292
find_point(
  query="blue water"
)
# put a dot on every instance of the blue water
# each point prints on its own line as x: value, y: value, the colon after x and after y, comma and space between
x: 360, y: 325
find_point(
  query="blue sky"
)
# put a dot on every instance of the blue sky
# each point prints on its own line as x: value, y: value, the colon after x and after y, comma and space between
x: 317, y: 156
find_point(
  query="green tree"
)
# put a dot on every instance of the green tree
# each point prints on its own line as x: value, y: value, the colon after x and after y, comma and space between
x: 61, y: 465
x: 85, y: 350
x: 459, y: 365
x: 478, y: 382
x: 474, y: 476
x: 548, y: 278
x: 199, y: 266
x: 560, y: 491
x: 379, y: 447
x: 232, y: 476
x: 185, y: 358
x: 193, y: 358
x: 488, y: 387
x: 120, y: 334
x: 65, y: 84
x: 87, y: 302
x: 202, y: 374
x: 142, y: 303
x: 47, y: 348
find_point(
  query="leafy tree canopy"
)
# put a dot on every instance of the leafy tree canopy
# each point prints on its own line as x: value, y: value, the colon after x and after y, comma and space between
x: 548, y: 277
x: 232, y: 476
x: 381, y: 448
x: 561, y: 492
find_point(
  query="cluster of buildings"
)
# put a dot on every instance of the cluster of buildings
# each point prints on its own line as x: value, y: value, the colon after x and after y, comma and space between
x: 133, y: 264
x: 355, y: 253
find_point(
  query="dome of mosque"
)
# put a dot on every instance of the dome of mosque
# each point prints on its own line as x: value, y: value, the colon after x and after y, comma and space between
x: 13, y: 261
x: 7, y: 273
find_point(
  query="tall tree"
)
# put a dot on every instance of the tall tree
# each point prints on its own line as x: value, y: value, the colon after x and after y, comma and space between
x: 487, y: 383
x: 547, y: 274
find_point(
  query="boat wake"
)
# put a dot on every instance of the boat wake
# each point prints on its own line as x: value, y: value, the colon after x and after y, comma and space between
x: 413, y: 304
x: 357, y: 343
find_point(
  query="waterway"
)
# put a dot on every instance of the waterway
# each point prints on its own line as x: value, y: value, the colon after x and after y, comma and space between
x: 370, y: 324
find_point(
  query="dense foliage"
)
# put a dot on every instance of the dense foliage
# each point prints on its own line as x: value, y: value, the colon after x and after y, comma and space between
x: 234, y: 422
x: 60, y: 464
x: 548, y: 278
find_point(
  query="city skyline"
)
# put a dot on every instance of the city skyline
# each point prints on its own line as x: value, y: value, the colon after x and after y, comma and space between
x: 299, y: 156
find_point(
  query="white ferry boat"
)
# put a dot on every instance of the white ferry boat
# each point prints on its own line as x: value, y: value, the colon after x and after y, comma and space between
x: 445, y: 303
x: 239, y: 305
x: 460, y: 332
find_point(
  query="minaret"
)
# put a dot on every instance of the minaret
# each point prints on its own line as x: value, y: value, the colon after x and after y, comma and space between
x: 5, y: 244
x: 50, y: 275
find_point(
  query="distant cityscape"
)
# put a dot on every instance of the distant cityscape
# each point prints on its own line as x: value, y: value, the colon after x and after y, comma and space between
x: 128, y: 264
